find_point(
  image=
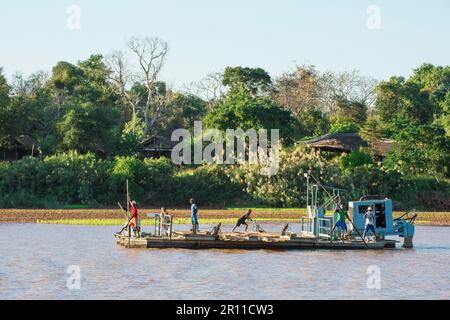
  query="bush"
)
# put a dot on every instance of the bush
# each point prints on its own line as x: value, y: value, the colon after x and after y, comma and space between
x: 209, y: 185
x: 371, y: 180
x: 72, y: 178
x: 288, y: 187
x: 64, y: 178
x: 355, y: 159
x: 23, y: 199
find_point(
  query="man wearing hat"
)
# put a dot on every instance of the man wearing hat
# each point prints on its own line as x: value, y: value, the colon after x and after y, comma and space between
x: 369, y: 223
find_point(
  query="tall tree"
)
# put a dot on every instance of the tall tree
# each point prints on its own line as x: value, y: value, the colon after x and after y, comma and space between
x: 242, y: 110
x: 347, y: 85
x: 298, y: 91
x: 210, y: 89
x: 399, y: 99
x: 4, y: 90
x: 150, y: 54
x: 181, y: 112
x: 351, y: 111
x: 88, y: 127
x: 255, y: 80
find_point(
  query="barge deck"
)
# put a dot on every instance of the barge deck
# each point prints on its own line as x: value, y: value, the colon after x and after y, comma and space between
x: 246, y: 241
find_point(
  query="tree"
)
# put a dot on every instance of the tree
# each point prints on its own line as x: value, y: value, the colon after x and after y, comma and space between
x: 351, y: 111
x: 343, y: 126
x: 87, y: 127
x: 4, y: 90
x: 298, y: 91
x: 210, y: 89
x: 4, y: 102
x: 93, y: 85
x: 415, y: 112
x: 420, y: 149
x: 243, y: 110
x: 132, y: 137
x: 400, y: 99
x: 355, y: 159
x: 255, y: 80
x: 314, y: 123
x: 435, y: 80
x: 150, y: 54
x: 181, y: 112
x: 373, y: 129
x: 346, y: 86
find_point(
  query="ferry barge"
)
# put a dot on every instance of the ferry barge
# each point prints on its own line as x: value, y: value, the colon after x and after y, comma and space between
x: 314, y: 232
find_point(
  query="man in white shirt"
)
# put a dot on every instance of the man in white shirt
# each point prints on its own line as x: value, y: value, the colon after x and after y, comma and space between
x: 369, y: 223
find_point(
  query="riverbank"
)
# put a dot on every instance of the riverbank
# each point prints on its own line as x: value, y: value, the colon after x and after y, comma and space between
x: 209, y: 216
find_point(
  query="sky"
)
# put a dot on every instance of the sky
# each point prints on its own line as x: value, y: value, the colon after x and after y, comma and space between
x: 381, y: 38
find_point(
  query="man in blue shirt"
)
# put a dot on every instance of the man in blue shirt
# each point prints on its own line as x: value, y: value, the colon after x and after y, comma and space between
x: 194, y: 217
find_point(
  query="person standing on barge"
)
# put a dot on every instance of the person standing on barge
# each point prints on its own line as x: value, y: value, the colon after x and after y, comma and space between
x: 194, y: 217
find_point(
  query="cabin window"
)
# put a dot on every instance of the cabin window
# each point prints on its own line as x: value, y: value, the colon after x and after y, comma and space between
x: 363, y: 209
x: 380, y: 215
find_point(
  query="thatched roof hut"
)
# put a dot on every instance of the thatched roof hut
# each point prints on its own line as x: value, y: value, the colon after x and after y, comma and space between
x: 348, y: 142
x: 157, y: 146
x: 20, y: 147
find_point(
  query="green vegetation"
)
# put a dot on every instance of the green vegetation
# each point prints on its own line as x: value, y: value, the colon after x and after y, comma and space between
x: 89, y: 120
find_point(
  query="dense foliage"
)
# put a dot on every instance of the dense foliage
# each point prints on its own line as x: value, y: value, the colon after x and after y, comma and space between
x: 90, y: 121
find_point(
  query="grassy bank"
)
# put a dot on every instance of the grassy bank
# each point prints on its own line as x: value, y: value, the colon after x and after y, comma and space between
x: 181, y: 216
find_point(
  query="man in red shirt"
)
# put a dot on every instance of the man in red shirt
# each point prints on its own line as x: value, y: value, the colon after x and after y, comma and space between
x: 134, y: 222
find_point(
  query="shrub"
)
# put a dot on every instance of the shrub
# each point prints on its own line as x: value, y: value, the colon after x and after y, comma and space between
x: 288, y: 187
x: 355, y: 159
x: 129, y: 168
x: 72, y: 177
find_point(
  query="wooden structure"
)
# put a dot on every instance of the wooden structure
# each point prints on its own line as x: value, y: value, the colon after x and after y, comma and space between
x: 157, y: 147
x: 348, y: 142
x: 245, y: 241
x: 20, y: 147
x: 307, y: 238
x: 316, y: 231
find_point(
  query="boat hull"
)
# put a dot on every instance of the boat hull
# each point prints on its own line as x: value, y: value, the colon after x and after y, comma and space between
x: 275, y: 244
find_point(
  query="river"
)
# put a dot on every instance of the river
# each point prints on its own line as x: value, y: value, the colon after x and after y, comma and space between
x: 76, y: 262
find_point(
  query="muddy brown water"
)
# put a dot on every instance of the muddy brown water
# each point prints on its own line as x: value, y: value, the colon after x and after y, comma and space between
x: 35, y: 260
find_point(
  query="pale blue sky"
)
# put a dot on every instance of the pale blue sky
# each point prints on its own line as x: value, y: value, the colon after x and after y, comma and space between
x: 207, y: 35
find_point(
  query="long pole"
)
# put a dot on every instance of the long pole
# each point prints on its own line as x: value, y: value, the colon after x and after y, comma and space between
x: 128, y: 210
x: 128, y: 197
x: 354, y: 227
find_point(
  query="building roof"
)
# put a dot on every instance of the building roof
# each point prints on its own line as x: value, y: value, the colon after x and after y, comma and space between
x: 347, y: 142
x: 383, y: 146
x: 27, y: 142
x: 340, y: 142
x: 158, y: 143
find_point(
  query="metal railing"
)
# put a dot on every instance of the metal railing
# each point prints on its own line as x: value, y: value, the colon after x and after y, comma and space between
x: 162, y: 224
x: 307, y: 226
x: 319, y: 227
x: 324, y: 227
